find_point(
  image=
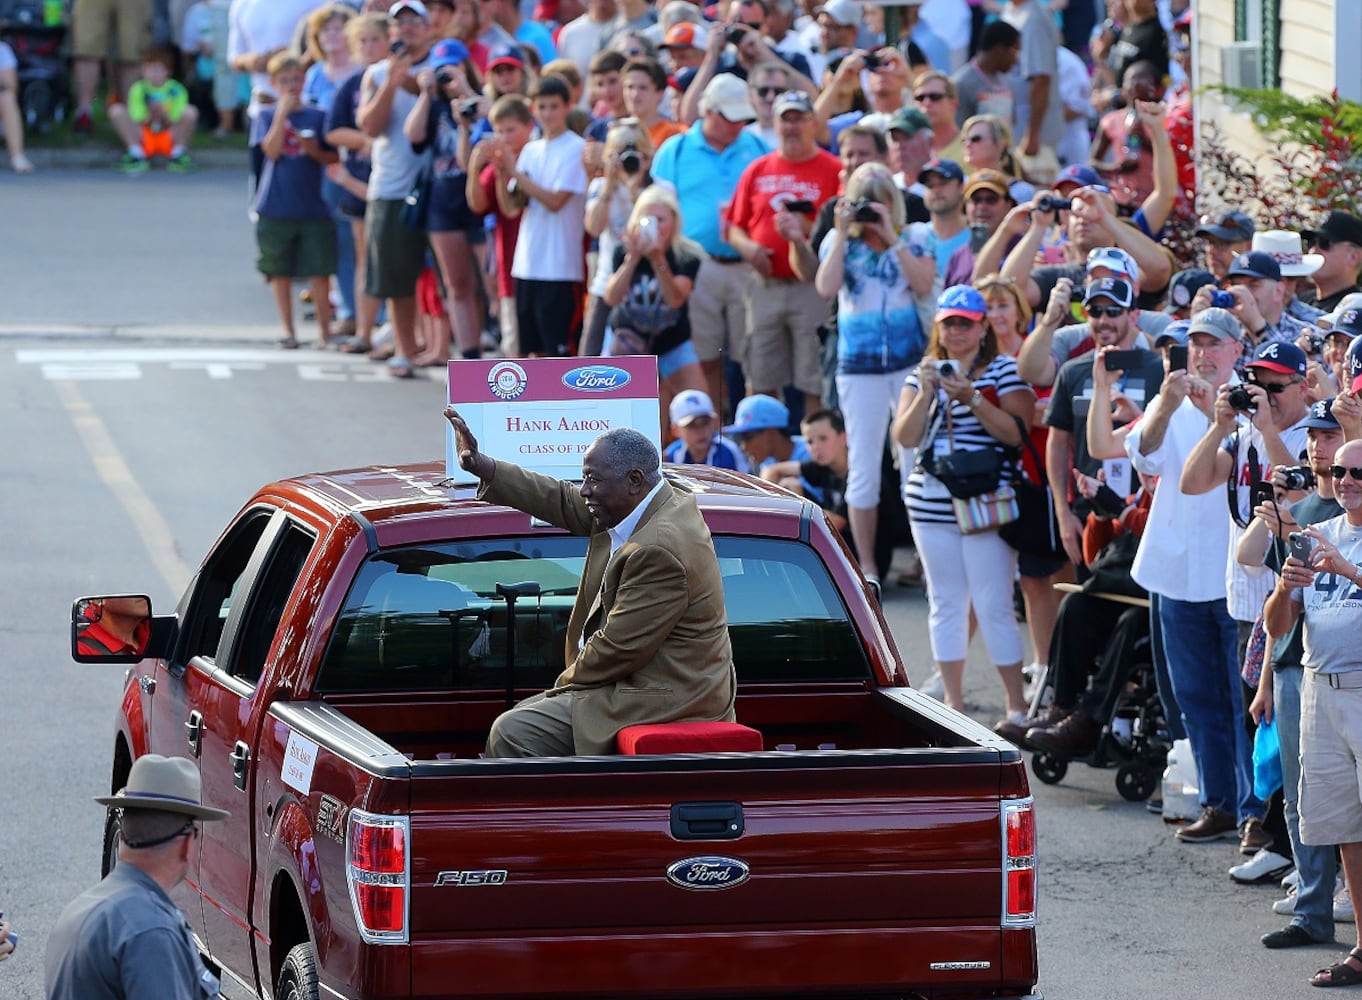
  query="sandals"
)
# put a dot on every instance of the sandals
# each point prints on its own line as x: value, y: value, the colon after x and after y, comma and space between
x: 400, y: 368
x: 384, y: 353
x: 289, y: 343
x: 1339, y: 974
x: 351, y: 345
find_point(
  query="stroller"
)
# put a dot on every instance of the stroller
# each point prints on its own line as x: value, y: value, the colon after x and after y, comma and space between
x: 36, y: 31
x: 1134, y: 736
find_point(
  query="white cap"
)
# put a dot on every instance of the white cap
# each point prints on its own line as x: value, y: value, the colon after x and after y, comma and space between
x: 415, y: 6
x: 728, y: 95
x: 689, y: 404
x: 844, y: 12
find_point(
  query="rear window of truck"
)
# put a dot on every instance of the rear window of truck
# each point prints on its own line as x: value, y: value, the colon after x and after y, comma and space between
x: 429, y: 618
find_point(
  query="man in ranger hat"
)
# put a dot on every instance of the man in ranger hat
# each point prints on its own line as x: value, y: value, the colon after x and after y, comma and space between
x: 125, y: 938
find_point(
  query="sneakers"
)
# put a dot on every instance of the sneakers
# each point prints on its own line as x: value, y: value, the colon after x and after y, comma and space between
x: 181, y: 164
x: 1211, y: 825
x: 1015, y: 732
x: 1291, y: 879
x: 1265, y: 866
x: 1252, y: 837
x: 933, y: 687
x: 1343, y: 905
x: 83, y: 124
x: 1286, y: 907
x: 1075, y: 736
x: 130, y: 164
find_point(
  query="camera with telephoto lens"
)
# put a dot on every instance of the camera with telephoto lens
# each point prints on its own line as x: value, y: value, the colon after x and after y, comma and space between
x: 631, y: 162
x: 1223, y: 300
x: 1052, y: 203
x: 1298, y: 477
x: 1239, y: 399
x: 735, y: 34
x: 468, y: 110
x: 864, y: 211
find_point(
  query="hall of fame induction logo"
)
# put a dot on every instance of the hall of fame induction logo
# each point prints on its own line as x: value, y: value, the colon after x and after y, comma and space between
x: 507, y: 380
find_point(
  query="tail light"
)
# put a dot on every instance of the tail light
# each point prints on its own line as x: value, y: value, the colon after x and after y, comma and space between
x: 378, y: 869
x: 1019, y: 863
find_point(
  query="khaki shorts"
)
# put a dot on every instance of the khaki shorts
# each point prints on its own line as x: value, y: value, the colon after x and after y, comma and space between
x: 718, y: 310
x: 1331, y: 761
x: 782, y: 336
x: 93, y: 25
x: 395, y: 254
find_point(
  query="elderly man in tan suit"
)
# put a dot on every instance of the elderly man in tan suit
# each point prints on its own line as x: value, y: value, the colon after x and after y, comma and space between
x: 648, y: 638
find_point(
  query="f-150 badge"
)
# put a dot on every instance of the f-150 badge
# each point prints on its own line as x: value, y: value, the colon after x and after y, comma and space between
x: 710, y: 872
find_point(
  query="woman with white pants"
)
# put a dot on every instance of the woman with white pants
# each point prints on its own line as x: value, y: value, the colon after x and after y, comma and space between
x: 962, y: 370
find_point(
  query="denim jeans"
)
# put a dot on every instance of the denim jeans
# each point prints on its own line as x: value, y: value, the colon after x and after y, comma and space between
x: 1200, y: 640
x: 1162, y: 682
x: 345, y: 251
x: 1317, y: 865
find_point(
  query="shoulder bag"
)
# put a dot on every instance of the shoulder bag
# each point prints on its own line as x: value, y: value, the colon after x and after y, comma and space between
x: 979, y: 510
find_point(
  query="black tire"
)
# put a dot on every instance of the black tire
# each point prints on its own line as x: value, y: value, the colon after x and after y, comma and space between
x: 1049, y: 768
x: 112, y: 825
x: 298, y: 977
x: 1136, y: 782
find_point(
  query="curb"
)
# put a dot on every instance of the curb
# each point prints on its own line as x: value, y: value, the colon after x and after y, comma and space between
x: 95, y: 157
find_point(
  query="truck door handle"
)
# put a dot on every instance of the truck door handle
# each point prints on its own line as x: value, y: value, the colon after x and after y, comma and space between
x: 707, y: 820
x: 194, y: 732
x: 147, y: 684
x: 241, y: 760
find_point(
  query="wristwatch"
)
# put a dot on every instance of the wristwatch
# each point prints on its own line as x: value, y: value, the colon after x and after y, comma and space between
x: 975, y: 400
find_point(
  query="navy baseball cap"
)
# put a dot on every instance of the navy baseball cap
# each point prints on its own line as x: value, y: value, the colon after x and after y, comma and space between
x: 1349, y: 321
x: 1177, y: 332
x: 948, y: 169
x: 1355, y: 364
x: 1185, y: 284
x: 1116, y: 289
x: 1321, y: 415
x: 1079, y: 175
x: 1235, y: 227
x: 1281, y: 357
x: 1255, y: 264
x: 757, y: 413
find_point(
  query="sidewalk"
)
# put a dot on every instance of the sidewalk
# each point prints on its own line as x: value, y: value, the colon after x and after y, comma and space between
x: 92, y: 156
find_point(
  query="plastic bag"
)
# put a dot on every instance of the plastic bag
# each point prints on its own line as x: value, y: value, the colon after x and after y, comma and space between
x: 1267, y: 760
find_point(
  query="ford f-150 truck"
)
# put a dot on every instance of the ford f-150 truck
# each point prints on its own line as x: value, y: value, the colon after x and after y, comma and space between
x: 334, y: 668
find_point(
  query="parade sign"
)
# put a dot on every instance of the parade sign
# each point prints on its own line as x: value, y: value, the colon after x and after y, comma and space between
x: 543, y: 413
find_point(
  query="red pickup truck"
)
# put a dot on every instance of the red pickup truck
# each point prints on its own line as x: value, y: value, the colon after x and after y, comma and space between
x: 334, y: 668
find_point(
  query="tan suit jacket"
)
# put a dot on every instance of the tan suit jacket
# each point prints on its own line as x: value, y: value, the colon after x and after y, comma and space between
x: 653, y: 616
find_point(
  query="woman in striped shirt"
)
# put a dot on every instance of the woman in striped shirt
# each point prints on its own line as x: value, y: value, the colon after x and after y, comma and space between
x: 963, y: 374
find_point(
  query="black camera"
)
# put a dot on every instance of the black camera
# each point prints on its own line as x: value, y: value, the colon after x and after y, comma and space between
x: 735, y: 34
x: 1298, y: 477
x: 1077, y: 292
x: 1052, y: 203
x: 1239, y: 399
x: 443, y: 76
x: 864, y: 211
x: 397, y: 47
x: 468, y: 109
x: 1223, y: 300
x: 872, y: 61
x: 631, y: 161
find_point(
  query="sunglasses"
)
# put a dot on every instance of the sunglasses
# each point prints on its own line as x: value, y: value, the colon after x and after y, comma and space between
x: 769, y: 92
x: 1110, y: 312
x: 1273, y: 388
x: 1339, y: 471
x: 971, y: 140
x: 985, y: 199
x: 935, y: 96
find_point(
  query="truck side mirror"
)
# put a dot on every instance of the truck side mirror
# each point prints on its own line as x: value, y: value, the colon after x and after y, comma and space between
x: 118, y: 628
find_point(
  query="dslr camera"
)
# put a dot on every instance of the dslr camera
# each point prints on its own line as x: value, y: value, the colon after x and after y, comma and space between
x: 631, y: 161
x: 468, y: 109
x: 872, y: 61
x: 1298, y: 477
x: 1223, y: 300
x: 735, y: 34
x: 864, y: 211
x: 1240, y: 399
x: 1052, y: 203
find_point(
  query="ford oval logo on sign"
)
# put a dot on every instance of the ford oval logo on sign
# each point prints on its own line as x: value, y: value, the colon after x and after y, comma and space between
x: 596, y: 378
x: 708, y: 873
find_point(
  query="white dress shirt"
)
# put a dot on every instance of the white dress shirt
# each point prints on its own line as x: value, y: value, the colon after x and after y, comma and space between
x: 620, y: 533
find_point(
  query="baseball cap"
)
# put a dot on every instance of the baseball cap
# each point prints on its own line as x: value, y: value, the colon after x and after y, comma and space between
x: 948, y: 169
x: 1353, y: 300
x: 505, y: 55
x: 415, y: 6
x: 729, y: 96
x: 1287, y: 250
x: 989, y: 180
x: 1219, y: 323
x: 1232, y: 226
x: 962, y: 300
x: 792, y: 100
x: 448, y: 52
x: 1255, y: 264
x: 1114, y: 259
x: 1280, y: 356
x: 688, y: 405
x: 1355, y: 364
x: 686, y: 35
x: 1116, y: 289
x: 757, y: 413
x: 1175, y: 331
x: 1077, y: 174
x: 1321, y: 415
x: 909, y: 121
x: 1350, y: 322
x: 1338, y: 226
x: 1185, y: 284
x: 842, y: 12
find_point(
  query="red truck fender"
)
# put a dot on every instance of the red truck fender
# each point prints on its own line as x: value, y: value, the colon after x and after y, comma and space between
x: 131, y: 728
x: 292, y: 859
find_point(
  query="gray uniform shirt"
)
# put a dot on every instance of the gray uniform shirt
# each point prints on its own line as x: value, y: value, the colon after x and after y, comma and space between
x: 124, y: 939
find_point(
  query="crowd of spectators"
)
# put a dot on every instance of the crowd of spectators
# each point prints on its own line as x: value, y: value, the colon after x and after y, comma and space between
x: 855, y: 257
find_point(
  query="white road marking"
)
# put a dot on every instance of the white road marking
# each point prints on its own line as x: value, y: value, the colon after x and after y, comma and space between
x: 118, y: 364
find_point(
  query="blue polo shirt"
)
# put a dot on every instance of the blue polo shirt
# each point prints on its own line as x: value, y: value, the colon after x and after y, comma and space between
x: 705, y: 180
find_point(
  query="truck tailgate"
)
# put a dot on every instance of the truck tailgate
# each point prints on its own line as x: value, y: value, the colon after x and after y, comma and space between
x: 862, y: 868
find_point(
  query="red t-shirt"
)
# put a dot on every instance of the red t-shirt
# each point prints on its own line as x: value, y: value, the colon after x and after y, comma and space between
x: 505, y: 234
x: 770, y: 181
x: 95, y: 640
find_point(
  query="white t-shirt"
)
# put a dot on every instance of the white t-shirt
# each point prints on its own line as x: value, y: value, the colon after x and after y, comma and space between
x: 259, y: 26
x: 1332, y: 606
x: 1075, y: 93
x: 550, y: 246
x: 395, y: 164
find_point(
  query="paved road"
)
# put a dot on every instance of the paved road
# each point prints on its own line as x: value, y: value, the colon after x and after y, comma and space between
x: 142, y: 403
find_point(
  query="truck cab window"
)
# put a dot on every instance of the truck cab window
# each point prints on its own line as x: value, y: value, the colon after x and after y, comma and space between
x: 276, y: 582
x: 216, y: 587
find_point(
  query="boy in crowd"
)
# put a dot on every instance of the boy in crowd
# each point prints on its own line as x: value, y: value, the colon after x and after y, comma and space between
x: 759, y: 427
x: 550, y: 197
x: 645, y: 87
x: 295, y: 233
x: 158, y: 119
x: 490, y: 169
x: 694, y: 422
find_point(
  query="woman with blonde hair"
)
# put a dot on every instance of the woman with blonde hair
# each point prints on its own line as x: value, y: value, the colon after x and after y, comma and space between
x: 988, y: 146
x: 653, y: 274
x: 878, y: 279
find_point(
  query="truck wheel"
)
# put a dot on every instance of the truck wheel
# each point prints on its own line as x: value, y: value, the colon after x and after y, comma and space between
x: 298, y: 977
x: 1136, y: 782
x: 1049, y: 768
x: 112, y: 826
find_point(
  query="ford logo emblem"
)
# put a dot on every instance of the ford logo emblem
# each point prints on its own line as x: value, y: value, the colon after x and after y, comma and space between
x: 596, y: 378
x: 708, y: 873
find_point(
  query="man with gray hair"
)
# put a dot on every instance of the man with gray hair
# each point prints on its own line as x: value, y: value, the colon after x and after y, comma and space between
x: 647, y: 641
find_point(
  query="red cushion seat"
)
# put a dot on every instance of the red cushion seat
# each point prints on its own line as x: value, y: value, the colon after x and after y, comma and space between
x: 688, y: 737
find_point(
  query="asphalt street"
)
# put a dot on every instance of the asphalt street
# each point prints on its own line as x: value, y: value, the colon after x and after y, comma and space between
x: 142, y: 401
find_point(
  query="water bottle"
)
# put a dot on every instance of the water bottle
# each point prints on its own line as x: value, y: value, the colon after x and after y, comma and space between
x: 1181, y: 793
x: 54, y: 13
x: 1132, y: 143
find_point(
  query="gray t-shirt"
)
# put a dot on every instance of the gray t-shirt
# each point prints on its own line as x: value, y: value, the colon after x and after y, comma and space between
x: 1039, y: 57
x: 1333, y: 606
x: 982, y: 93
x: 395, y: 164
x: 124, y: 939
